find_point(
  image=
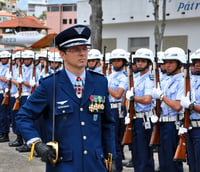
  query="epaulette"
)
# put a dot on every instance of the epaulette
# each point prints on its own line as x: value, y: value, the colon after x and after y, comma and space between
x: 49, y: 75
x: 125, y: 73
x: 95, y: 72
x: 151, y: 77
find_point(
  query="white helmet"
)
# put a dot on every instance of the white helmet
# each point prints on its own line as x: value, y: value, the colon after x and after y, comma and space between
x: 58, y: 58
x: 18, y: 54
x: 161, y: 56
x: 119, y: 54
x: 44, y: 54
x: 5, y: 54
x: 175, y: 53
x: 144, y: 53
x: 28, y: 54
x: 94, y: 54
x: 195, y: 55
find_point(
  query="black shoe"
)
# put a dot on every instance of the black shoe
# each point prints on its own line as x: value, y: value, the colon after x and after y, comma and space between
x: 4, y: 137
x: 17, y: 142
x: 23, y: 148
x: 129, y: 164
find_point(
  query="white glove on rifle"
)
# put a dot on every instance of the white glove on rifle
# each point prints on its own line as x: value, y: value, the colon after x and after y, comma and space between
x: 127, y: 119
x: 182, y: 130
x: 185, y: 101
x: 156, y: 93
x: 8, y: 76
x: 130, y: 94
x: 19, y: 80
x: 32, y: 83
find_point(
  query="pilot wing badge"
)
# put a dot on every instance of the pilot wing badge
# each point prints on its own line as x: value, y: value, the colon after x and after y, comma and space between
x: 62, y: 104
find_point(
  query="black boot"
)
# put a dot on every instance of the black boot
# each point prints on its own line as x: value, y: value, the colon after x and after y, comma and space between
x: 23, y: 148
x: 17, y: 142
x: 4, y: 137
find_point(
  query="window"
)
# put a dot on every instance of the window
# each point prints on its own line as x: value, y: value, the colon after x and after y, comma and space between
x: 136, y: 43
x: 64, y: 21
x: 75, y: 21
x: 55, y: 8
x: 70, y: 21
x: 67, y: 8
x: 75, y: 8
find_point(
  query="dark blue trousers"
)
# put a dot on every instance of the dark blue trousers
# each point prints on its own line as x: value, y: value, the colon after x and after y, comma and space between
x: 168, y: 143
x: 142, y: 154
x: 193, y: 149
x: 4, y: 117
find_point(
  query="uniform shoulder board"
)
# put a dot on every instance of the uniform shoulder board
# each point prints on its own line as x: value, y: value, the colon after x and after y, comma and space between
x: 151, y: 77
x: 125, y: 73
x: 96, y: 72
x: 49, y: 75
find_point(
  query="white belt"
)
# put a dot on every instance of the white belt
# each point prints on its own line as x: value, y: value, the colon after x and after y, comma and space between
x: 171, y: 118
x: 1, y: 91
x: 141, y: 114
x: 115, y: 105
x: 195, y: 123
x: 26, y: 94
x: 12, y: 95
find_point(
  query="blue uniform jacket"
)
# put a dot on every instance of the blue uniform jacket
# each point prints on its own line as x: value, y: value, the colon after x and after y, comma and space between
x: 84, y: 137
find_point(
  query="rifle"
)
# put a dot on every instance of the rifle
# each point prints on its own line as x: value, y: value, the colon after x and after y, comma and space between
x: 127, y: 139
x: 104, y: 68
x: 180, y: 154
x: 7, y: 95
x: 155, y: 136
x: 46, y: 63
x: 17, y: 101
x: 33, y: 74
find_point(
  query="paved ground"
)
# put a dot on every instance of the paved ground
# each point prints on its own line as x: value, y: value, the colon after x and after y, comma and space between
x: 13, y: 161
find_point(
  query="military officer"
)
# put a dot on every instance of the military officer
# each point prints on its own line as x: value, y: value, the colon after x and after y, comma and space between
x: 171, y: 109
x: 142, y: 154
x: 193, y: 139
x: 83, y: 123
x: 94, y: 60
x: 118, y: 84
x: 4, y: 110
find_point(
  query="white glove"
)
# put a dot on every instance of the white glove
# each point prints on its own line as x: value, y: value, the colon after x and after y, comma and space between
x: 127, y: 119
x: 130, y: 94
x: 32, y: 82
x: 185, y: 101
x: 19, y: 80
x: 8, y: 76
x: 182, y: 130
x: 156, y: 93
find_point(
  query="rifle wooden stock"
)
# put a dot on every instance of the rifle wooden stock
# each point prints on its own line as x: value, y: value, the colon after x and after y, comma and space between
x: 17, y: 101
x: 155, y: 136
x: 180, y: 154
x: 127, y: 139
x: 110, y: 69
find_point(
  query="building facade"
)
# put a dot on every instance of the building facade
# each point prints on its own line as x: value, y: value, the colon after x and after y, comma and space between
x: 130, y: 23
x: 61, y: 16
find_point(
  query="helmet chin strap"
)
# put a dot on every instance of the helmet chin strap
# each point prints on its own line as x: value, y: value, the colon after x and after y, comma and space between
x: 143, y: 69
x: 93, y: 67
x: 177, y: 68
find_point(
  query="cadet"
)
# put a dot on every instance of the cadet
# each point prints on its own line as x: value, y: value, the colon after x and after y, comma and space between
x: 193, y: 139
x: 142, y: 154
x: 118, y: 84
x: 4, y: 110
x: 94, y: 60
x: 55, y: 61
x: 171, y: 109
x: 27, y: 71
x: 84, y: 124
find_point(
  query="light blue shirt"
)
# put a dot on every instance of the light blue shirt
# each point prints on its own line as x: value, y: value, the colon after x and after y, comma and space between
x: 143, y: 86
x: 3, y: 70
x: 174, y: 90
x: 117, y: 80
x: 195, y: 97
